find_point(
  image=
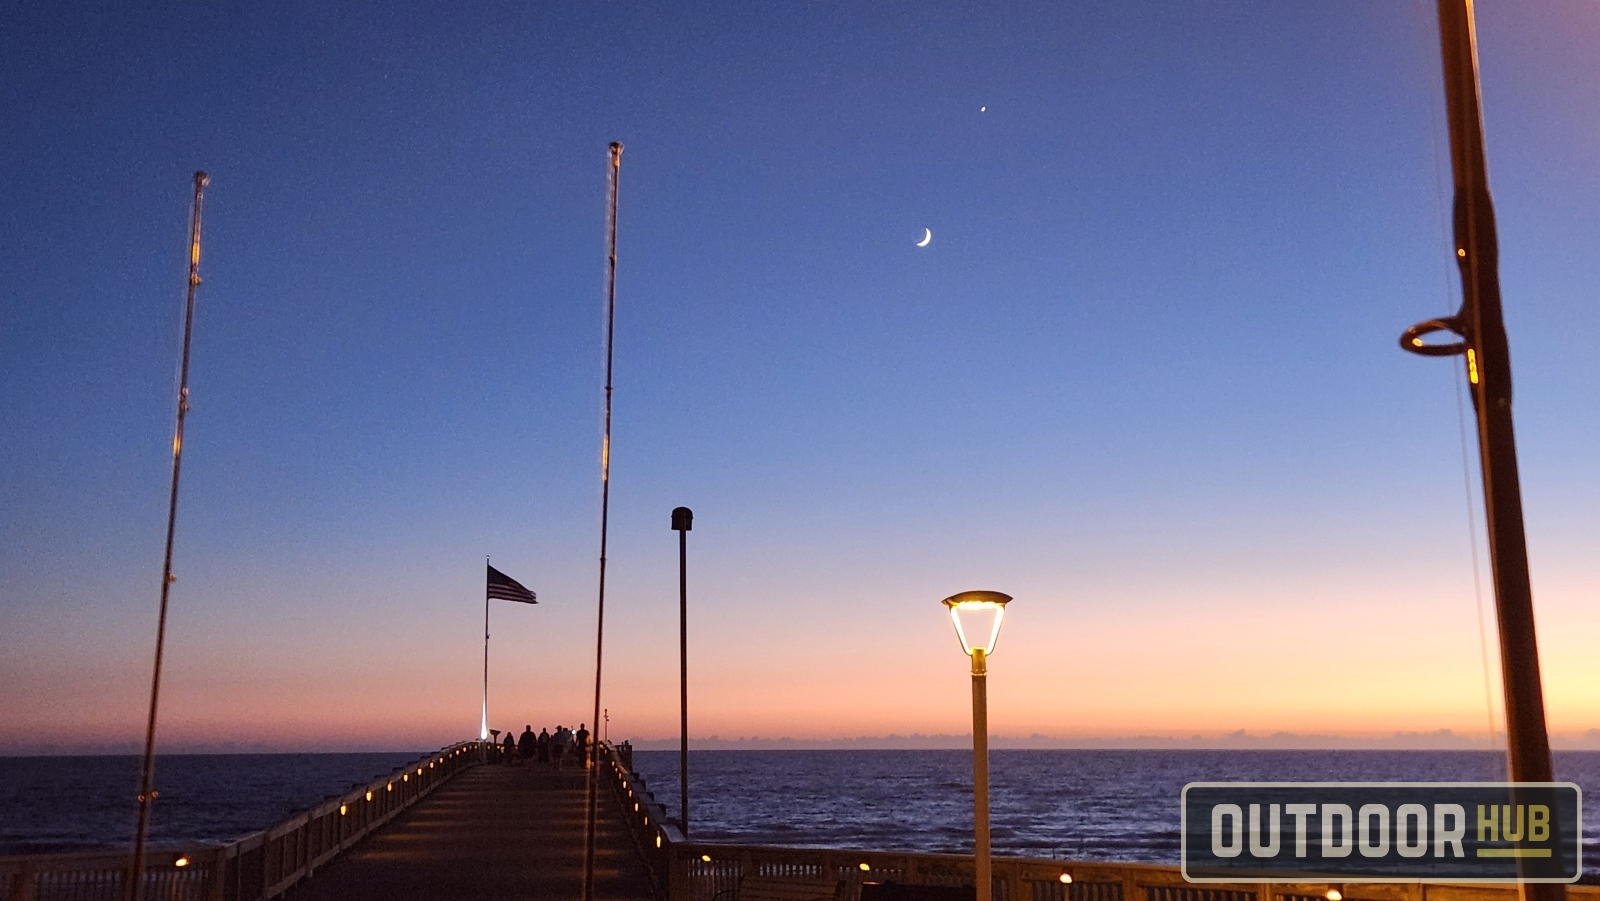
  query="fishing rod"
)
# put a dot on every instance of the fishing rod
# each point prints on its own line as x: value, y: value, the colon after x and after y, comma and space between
x: 1480, y: 327
x: 614, y: 172
x: 147, y: 792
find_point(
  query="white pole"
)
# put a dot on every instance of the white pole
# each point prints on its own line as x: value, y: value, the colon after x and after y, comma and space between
x: 483, y: 728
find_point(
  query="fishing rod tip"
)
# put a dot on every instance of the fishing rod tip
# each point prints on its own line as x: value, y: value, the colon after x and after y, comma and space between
x: 616, y: 148
x: 201, y: 179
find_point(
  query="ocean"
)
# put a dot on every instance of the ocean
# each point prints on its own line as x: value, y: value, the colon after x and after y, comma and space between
x: 1084, y: 805
x: 51, y: 804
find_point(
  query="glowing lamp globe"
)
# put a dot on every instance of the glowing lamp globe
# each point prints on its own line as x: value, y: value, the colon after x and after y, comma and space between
x: 977, y: 616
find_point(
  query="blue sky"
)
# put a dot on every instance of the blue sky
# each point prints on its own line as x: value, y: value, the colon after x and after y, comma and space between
x: 1145, y: 376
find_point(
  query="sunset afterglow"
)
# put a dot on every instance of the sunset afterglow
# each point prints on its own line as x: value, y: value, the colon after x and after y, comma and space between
x: 1148, y: 381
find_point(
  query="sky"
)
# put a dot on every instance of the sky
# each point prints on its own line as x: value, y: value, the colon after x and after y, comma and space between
x: 1144, y: 378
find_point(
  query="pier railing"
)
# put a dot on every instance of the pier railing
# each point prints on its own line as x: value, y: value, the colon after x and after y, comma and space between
x: 715, y: 872
x: 255, y: 868
x: 683, y: 870
x: 653, y: 834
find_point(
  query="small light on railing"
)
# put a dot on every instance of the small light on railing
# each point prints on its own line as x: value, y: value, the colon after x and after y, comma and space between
x: 182, y: 861
x: 406, y: 778
x: 342, y: 810
x: 1334, y: 895
x: 369, y: 795
x: 391, y: 787
x: 1065, y: 877
x: 705, y: 858
x: 419, y: 771
x: 865, y: 867
x: 647, y: 821
x: 658, y: 840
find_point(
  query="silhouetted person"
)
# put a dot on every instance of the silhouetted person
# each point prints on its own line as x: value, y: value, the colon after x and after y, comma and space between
x: 583, y: 745
x: 544, y: 745
x: 528, y: 743
x: 510, y: 750
x: 558, y: 744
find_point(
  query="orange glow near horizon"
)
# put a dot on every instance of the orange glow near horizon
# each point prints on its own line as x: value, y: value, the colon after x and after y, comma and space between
x: 1318, y: 653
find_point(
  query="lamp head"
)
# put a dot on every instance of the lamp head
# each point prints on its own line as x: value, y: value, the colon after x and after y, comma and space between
x: 682, y: 519
x: 977, y: 615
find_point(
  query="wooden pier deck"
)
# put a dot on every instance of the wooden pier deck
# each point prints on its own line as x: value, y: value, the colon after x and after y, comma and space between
x: 493, y: 832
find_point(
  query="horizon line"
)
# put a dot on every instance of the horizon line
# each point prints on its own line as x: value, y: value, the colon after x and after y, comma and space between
x: 1237, y: 740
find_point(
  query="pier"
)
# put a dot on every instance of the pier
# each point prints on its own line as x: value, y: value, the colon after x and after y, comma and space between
x: 455, y: 824
x: 491, y: 832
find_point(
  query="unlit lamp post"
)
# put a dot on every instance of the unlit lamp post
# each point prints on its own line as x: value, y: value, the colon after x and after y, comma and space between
x: 977, y: 615
x: 683, y: 523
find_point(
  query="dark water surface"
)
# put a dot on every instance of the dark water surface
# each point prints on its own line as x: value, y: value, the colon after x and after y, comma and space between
x: 50, y: 804
x: 1089, y: 805
x: 1086, y: 805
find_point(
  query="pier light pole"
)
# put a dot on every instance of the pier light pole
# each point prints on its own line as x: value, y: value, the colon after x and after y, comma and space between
x: 683, y: 523
x: 977, y: 616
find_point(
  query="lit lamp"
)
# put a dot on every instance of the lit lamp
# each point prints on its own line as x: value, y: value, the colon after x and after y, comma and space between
x: 977, y: 615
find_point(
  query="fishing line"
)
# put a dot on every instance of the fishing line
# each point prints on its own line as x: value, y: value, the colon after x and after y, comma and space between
x: 1477, y: 579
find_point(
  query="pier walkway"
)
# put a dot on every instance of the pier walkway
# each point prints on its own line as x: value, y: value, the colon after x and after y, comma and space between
x: 492, y: 832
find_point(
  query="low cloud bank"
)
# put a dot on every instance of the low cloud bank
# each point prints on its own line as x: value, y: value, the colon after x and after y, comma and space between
x: 1439, y: 740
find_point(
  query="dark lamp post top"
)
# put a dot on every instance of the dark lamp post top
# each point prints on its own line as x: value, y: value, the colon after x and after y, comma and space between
x: 976, y: 597
x: 682, y: 519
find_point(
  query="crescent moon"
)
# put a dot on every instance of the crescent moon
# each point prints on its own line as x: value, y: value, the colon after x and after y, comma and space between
x: 927, y: 235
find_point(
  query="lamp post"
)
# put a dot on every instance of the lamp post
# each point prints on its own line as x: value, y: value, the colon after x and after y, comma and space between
x: 683, y: 523
x: 977, y: 616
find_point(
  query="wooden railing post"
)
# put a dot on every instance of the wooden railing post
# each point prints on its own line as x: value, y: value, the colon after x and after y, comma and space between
x: 216, y: 874
x: 22, y: 883
x: 1130, y: 887
x: 677, y: 874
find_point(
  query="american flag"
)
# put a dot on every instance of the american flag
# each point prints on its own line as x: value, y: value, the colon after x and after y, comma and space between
x: 504, y: 588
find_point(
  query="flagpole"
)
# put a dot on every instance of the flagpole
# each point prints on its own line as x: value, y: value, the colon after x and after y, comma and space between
x: 605, y: 503
x: 483, y: 729
x: 147, y: 793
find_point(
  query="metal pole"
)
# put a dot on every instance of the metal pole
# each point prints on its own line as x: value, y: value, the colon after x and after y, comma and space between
x: 683, y: 522
x: 147, y: 793
x: 1481, y: 326
x: 483, y: 729
x: 605, y: 505
x: 980, y: 775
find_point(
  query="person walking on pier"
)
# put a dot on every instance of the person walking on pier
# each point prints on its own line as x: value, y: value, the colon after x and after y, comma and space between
x: 558, y: 744
x: 527, y: 744
x: 582, y: 747
x: 544, y: 746
x: 510, y: 752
